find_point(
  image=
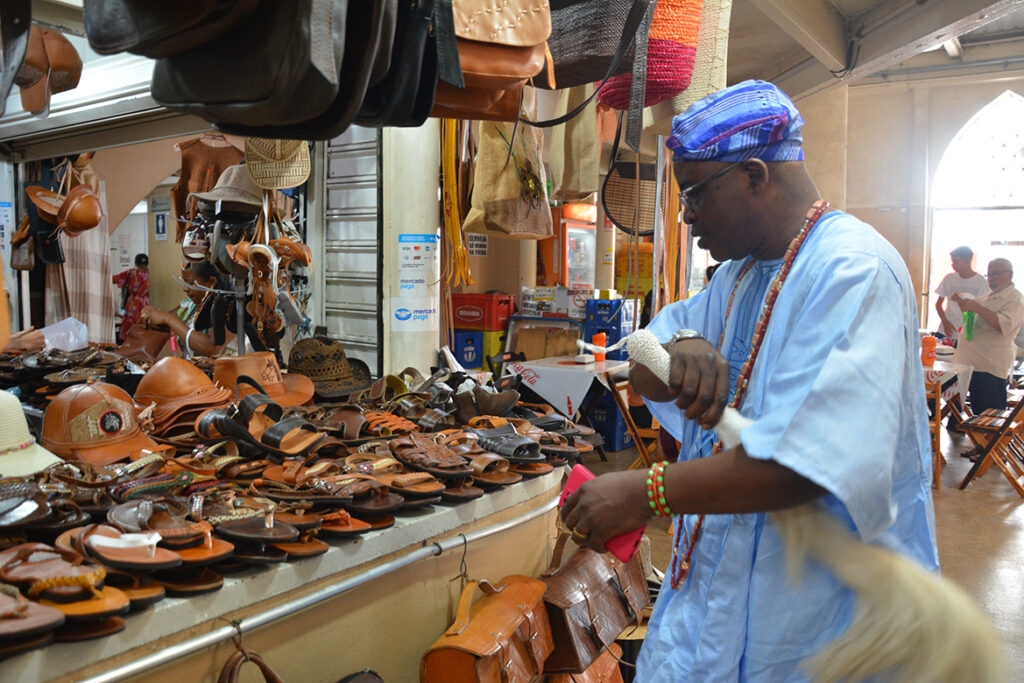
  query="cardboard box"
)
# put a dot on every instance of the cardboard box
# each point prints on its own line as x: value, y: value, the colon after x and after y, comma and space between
x: 545, y: 342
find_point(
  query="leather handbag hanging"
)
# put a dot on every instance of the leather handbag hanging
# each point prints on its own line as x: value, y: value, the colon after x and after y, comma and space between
x: 629, y: 192
x: 493, y: 46
x: 159, y: 29
x: 590, y: 599
x: 22, y: 248
x: 232, y: 667
x: 280, y: 65
x: 503, y: 637
x: 605, y: 669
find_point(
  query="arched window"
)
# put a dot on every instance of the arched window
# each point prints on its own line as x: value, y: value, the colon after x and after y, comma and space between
x: 978, y: 194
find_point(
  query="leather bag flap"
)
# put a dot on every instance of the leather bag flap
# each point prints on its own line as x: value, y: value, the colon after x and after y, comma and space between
x: 503, y: 22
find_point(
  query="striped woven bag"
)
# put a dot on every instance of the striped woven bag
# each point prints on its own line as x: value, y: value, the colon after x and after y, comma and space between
x: 670, y: 55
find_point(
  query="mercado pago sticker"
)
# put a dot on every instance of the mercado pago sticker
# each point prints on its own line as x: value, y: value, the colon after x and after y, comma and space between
x: 410, y: 314
x: 418, y: 263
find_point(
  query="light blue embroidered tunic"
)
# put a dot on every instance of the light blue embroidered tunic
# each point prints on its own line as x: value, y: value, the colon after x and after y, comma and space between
x: 838, y: 397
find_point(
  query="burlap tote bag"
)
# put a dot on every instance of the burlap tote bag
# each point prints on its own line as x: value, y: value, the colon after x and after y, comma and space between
x: 510, y: 197
x: 575, y: 149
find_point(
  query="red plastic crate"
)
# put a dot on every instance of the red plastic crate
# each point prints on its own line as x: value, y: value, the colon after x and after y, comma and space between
x: 488, y: 312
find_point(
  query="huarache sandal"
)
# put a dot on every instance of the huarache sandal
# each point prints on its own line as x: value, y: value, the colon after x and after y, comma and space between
x: 385, y: 424
x: 20, y: 618
x: 422, y: 452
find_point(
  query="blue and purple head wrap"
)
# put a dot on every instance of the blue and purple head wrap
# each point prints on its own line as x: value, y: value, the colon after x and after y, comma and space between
x: 747, y: 120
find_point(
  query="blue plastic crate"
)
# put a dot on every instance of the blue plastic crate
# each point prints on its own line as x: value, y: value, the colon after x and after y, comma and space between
x: 610, y: 424
x: 613, y: 333
x: 469, y: 349
x: 609, y: 312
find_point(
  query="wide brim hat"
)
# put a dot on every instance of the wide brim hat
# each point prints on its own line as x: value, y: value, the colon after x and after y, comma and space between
x: 277, y: 164
x: 333, y: 373
x: 20, y: 455
x: 285, y: 389
x: 47, y: 202
x: 233, y: 185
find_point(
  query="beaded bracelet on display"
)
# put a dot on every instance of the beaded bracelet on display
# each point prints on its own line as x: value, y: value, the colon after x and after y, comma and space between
x: 656, y: 489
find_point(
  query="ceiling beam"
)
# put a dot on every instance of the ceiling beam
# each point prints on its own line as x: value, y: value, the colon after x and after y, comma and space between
x: 888, y: 39
x: 814, y: 24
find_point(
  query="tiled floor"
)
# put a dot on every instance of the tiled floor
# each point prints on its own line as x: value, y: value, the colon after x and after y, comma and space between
x: 980, y: 534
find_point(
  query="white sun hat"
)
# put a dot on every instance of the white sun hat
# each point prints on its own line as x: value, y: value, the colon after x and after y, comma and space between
x: 20, y: 455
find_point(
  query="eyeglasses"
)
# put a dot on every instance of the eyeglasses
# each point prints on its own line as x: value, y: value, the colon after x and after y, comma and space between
x: 690, y: 196
x: 997, y: 273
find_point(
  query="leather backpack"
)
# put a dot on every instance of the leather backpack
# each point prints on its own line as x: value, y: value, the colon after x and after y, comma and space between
x: 590, y: 599
x: 502, y: 638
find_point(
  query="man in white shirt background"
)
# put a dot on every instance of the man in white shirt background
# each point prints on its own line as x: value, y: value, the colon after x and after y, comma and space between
x: 963, y: 280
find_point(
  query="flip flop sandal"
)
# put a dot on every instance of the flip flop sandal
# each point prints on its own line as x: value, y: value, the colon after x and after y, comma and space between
x: 20, y: 619
x: 47, y: 573
x: 142, y: 591
x: 218, y: 549
x: 258, y: 421
x: 303, y: 548
x: 507, y: 442
x: 317, y: 491
x: 491, y: 470
x: 412, y: 485
x: 421, y: 452
x: 188, y: 582
x: 461, y: 490
x: 369, y: 495
x: 161, y: 484
x: 531, y: 469
x: 553, y: 422
x: 382, y: 522
x: 297, y: 514
x: 262, y: 529
x: 89, y: 630
x: 259, y: 553
x: 341, y: 524
x: 551, y: 443
x: 64, y: 514
x: 122, y: 550
x: 15, y: 646
x: 166, y: 516
x: 25, y: 506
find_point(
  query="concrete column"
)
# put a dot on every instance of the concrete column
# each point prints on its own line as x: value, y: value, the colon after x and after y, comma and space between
x: 604, y: 268
x: 411, y: 208
x: 919, y: 218
x: 527, y: 264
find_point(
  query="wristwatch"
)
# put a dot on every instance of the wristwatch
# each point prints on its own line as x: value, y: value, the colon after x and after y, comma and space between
x: 680, y: 335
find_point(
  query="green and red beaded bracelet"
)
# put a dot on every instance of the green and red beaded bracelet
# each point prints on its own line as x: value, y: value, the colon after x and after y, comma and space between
x: 656, y: 489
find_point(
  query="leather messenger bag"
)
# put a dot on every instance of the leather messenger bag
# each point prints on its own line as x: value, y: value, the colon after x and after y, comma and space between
x: 502, y: 638
x: 590, y: 599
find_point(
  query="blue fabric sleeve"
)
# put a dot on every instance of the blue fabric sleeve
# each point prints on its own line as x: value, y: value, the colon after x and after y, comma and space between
x: 831, y: 407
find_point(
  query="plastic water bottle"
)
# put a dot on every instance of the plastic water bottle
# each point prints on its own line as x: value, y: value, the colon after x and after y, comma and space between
x: 968, y: 325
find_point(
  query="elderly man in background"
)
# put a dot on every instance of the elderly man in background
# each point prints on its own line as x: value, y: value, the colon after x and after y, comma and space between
x: 989, y: 349
x: 963, y: 280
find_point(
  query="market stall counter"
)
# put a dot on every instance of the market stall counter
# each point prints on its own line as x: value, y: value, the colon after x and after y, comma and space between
x: 377, y: 601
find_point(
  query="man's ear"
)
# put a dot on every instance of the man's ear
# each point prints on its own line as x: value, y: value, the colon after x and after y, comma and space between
x: 758, y: 175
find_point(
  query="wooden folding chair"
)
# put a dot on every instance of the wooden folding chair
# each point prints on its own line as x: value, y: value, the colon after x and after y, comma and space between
x: 997, y: 433
x: 933, y: 391
x: 645, y: 451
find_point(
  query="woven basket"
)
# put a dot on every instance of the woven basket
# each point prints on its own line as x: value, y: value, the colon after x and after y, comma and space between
x: 578, y: 62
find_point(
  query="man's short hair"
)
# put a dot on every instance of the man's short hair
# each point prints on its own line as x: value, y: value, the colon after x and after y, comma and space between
x: 962, y: 252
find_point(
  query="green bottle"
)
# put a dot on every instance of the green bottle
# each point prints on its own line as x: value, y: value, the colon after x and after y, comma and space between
x: 968, y: 325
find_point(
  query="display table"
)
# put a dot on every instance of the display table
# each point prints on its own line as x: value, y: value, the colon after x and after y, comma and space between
x: 383, y: 624
x: 562, y: 382
x: 955, y: 378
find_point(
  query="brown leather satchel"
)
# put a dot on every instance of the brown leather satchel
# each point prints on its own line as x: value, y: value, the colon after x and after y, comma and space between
x: 232, y: 667
x: 590, y: 599
x: 605, y: 669
x: 502, y: 638
x: 142, y: 344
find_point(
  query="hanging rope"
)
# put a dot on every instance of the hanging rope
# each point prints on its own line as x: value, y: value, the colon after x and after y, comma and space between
x: 456, y: 271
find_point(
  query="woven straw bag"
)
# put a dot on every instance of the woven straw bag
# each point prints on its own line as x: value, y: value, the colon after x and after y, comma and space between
x: 628, y: 202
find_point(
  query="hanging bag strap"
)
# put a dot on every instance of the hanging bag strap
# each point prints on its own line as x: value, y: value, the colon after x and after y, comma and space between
x: 637, y: 28
x: 466, y: 602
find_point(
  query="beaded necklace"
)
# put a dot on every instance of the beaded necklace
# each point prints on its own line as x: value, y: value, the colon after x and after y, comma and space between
x: 680, y: 561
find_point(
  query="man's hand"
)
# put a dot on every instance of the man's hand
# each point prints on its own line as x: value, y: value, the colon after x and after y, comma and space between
x: 607, y: 506
x: 26, y: 341
x: 963, y: 302
x: 699, y: 380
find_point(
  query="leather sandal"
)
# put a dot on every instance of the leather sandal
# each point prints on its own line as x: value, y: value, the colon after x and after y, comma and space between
x: 137, y: 552
x: 421, y: 452
x: 20, y: 618
x: 507, y: 442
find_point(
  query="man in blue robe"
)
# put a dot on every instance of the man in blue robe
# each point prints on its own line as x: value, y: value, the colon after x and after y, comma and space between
x: 836, y: 395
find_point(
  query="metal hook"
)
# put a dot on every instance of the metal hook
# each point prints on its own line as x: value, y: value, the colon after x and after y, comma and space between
x: 236, y: 639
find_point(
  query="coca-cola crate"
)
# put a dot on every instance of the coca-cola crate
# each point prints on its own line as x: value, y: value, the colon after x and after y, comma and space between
x: 487, y: 312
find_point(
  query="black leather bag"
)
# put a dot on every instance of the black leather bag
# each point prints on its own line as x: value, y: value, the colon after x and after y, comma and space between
x: 15, y: 22
x: 159, y: 29
x: 405, y: 95
x: 278, y: 66
x: 366, y: 46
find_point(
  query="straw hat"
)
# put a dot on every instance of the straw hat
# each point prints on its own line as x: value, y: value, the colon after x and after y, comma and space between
x: 233, y: 185
x: 324, y: 361
x: 277, y: 164
x: 20, y: 455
